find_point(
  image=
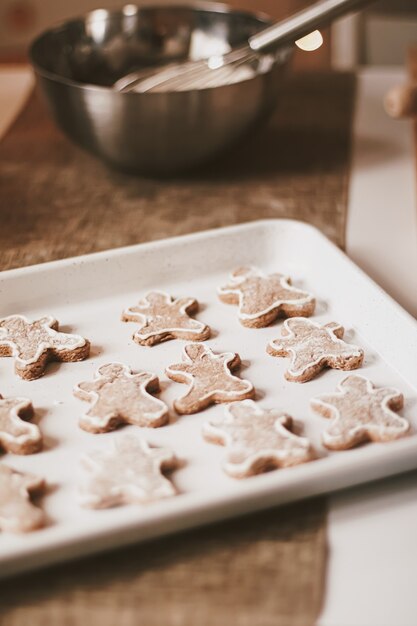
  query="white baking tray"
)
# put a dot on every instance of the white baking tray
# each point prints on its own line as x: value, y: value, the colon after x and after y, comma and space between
x: 87, y: 295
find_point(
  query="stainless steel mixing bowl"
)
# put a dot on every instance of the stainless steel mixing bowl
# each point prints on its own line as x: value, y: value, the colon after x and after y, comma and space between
x: 77, y: 63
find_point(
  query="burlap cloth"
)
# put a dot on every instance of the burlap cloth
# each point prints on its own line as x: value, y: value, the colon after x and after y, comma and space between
x: 263, y: 570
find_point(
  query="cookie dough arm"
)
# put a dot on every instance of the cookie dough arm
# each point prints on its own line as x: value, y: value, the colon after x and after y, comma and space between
x: 66, y: 346
x: 189, y: 305
x: 134, y: 314
x: 336, y: 328
x: 393, y: 398
x: 87, y: 387
x: 6, y: 348
x: 178, y: 370
x: 232, y: 361
x: 327, y: 405
x: 149, y: 382
x: 50, y: 321
x: 281, y: 346
x: 229, y: 294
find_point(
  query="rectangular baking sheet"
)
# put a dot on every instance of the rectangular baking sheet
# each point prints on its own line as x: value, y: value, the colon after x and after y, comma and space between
x: 87, y: 294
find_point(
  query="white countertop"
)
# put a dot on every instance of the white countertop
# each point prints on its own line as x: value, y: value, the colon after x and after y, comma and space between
x: 372, y: 571
x: 381, y: 235
x: 372, y: 533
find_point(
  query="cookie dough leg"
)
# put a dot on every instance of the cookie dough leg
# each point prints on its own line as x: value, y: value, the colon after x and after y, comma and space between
x: 192, y: 402
x: 338, y: 438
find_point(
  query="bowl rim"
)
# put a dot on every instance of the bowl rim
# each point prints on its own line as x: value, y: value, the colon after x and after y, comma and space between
x: 131, y: 9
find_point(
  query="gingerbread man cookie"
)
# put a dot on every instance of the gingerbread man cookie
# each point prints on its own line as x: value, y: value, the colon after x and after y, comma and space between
x: 34, y: 344
x: 119, y: 396
x: 262, y: 298
x: 16, y: 435
x: 257, y: 439
x: 360, y: 413
x: 210, y: 379
x: 313, y: 347
x: 162, y: 318
x: 130, y: 474
x: 17, y: 513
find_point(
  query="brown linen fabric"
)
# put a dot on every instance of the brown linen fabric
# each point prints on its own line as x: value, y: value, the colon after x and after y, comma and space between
x: 57, y: 201
x: 266, y: 569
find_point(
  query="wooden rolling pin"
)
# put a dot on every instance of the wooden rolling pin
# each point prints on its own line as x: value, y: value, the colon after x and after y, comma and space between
x: 401, y: 101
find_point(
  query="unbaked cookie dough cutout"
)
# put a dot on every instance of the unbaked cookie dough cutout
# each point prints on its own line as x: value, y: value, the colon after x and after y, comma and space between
x: 262, y: 298
x: 360, y: 412
x: 119, y: 396
x: 210, y: 379
x: 131, y: 473
x: 35, y: 344
x: 313, y: 347
x: 161, y: 317
x: 257, y: 440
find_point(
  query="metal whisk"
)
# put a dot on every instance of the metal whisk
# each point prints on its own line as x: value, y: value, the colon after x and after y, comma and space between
x: 223, y: 69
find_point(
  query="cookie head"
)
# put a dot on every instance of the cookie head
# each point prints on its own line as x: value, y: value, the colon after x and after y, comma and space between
x: 112, y: 370
x: 195, y: 352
